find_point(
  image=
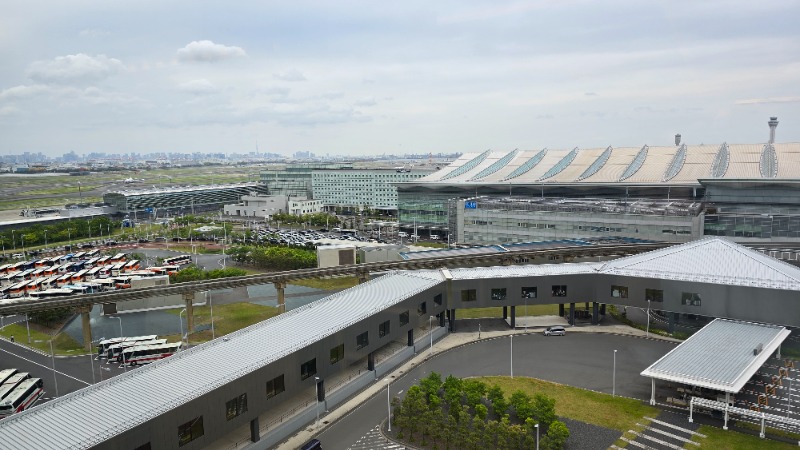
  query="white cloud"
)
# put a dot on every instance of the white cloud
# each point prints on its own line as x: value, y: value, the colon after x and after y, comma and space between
x: 69, y: 69
x: 198, y: 87
x: 207, y: 51
x: 22, y: 92
x: 290, y: 75
x: 366, y: 101
x: 93, y: 33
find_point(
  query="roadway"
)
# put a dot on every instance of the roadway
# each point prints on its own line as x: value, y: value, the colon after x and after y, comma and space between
x: 583, y: 360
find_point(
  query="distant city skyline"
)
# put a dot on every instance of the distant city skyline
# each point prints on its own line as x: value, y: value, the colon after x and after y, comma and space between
x: 359, y: 78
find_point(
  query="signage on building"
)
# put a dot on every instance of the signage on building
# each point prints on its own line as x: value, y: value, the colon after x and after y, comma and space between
x: 471, y: 204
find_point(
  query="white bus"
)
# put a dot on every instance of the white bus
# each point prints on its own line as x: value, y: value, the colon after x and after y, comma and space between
x: 51, y: 293
x: 102, y: 346
x: 145, y: 354
x: 5, y: 374
x: 22, y: 398
x: 114, y: 352
x: 178, y: 260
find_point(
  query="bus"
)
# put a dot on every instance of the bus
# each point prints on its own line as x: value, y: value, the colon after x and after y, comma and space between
x: 91, y: 262
x: 103, y: 261
x: 22, y: 398
x: 17, y: 378
x: 7, y: 280
x: 17, y: 290
x: 123, y: 282
x: 41, y: 263
x: 106, y: 284
x: 79, y: 276
x: 93, y: 253
x: 119, y: 257
x: 5, y: 374
x: 4, y: 268
x: 178, y: 260
x: 102, y: 346
x: 51, y: 293
x: 116, y: 269
x: 64, y: 279
x: 114, y: 352
x: 92, y: 273
x: 144, y: 354
x: 34, y: 286
x: 131, y: 265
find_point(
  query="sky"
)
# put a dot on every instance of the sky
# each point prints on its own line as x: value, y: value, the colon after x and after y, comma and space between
x: 376, y: 77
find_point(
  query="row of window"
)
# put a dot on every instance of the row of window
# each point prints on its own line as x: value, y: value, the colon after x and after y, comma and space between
x: 560, y: 290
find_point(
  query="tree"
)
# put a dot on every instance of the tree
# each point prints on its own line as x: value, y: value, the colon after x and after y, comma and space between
x: 474, y: 391
x: 522, y: 405
x: 453, y: 392
x: 481, y: 411
x: 431, y: 384
x: 544, y: 410
x: 499, y: 402
x: 414, y: 406
x: 556, y: 437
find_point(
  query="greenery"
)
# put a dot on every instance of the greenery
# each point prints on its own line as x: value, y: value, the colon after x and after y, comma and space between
x: 456, y: 413
x: 227, y: 319
x: 314, y: 220
x: 622, y: 317
x: 719, y: 439
x: 274, y: 257
x: 63, y: 344
x: 194, y: 273
x: 497, y: 311
x: 50, y: 317
x: 38, y: 235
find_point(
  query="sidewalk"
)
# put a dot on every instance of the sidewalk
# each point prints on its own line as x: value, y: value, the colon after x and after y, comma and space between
x: 535, y: 324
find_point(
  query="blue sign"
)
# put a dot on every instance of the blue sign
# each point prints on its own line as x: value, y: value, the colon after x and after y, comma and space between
x: 471, y: 204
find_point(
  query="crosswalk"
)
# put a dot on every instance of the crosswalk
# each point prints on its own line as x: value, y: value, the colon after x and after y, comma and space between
x: 374, y: 440
x: 662, y: 434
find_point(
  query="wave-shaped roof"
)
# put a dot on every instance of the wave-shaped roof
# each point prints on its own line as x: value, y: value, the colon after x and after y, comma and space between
x: 668, y: 165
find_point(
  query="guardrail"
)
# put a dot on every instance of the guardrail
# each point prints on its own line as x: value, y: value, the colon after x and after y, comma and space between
x: 512, y: 257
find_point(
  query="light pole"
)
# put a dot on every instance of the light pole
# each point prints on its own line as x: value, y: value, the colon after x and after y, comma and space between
x: 53, y: 355
x: 28, y: 326
x: 511, y: 340
x: 13, y: 241
x: 537, y: 435
x: 614, y: 376
x: 124, y: 367
x: 430, y: 330
x: 211, y: 305
x: 45, y: 238
x: 101, y: 371
x: 647, y: 334
x: 316, y: 397
x: 180, y: 319
x: 389, y: 403
x: 23, y: 243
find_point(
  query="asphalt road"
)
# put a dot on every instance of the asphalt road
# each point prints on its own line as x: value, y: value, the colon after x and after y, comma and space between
x: 578, y: 359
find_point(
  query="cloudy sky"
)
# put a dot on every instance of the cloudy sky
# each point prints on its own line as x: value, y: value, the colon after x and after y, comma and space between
x: 372, y: 77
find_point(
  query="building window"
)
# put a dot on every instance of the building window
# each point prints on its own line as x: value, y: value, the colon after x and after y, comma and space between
x: 690, y: 298
x: 236, y: 406
x: 498, y: 294
x: 422, y: 309
x: 362, y: 340
x: 403, y: 318
x: 275, y: 386
x: 654, y: 295
x: 619, y: 291
x: 190, y: 431
x: 337, y: 353
x: 529, y: 292
x: 308, y: 369
x: 469, y: 295
x: 559, y: 290
x: 438, y: 300
x: 383, y: 329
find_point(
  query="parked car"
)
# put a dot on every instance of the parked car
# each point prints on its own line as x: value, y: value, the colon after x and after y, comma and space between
x: 557, y: 330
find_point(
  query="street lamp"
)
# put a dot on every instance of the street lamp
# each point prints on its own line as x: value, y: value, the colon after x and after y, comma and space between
x: 13, y: 241
x: 124, y: 366
x: 120, y: 323
x: 211, y: 305
x: 511, y: 340
x: 180, y: 319
x: 389, y: 403
x: 614, y: 376
x: 647, y: 334
x: 23, y: 244
x: 316, y: 397
x: 45, y: 238
x: 28, y: 326
x: 53, y: 355
x: 537, y: 435
x: 430, y: 330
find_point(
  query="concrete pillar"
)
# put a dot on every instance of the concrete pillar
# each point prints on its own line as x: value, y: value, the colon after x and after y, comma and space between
x: 321, y: 391
x: 280, y: 287
x: 671, y: 323
x: 452, y: 320
x: 254, y: 435
x: 87, y: 326
x: 411, y: 337
x: 560, y: 310
x: 595, y: 314
x: 572, y: 313
x: 188, y: 298
x: 505, y: 312
x: 363, y: 277
x: 513, y: 317
x: 371, y: 361
x: 441, y: 318
x: 603, y: 309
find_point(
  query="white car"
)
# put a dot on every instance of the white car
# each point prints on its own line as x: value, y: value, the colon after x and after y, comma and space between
x: 402, y: 234
x: 557, y: 330
x: 435, y: 237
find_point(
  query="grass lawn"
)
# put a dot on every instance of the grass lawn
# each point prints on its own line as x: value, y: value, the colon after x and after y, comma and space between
x: 720, y: 439
x: 63, y: 344
x: 328, y: 283
x: 497, y: 311
x: 616, y: 413
x: 227, y: 319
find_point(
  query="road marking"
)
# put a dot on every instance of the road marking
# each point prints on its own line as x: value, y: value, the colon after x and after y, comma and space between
x: 668, y: 434
x: 50, y: 368
x: 675, y: 427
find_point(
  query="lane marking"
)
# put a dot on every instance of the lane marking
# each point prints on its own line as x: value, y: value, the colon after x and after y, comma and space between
x: 49, y: 368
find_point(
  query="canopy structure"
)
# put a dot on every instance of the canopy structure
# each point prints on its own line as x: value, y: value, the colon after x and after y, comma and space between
x: 722, y: 356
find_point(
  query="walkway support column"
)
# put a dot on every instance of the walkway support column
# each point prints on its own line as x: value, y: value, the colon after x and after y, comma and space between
x: 572, y: 314
x: 513, y: 317
x: 254, y: 436
x: 505, y: 312
x: 87, y: 326
x: 452, y: 320
x: 188, y: 298
x: 440, y: 316
x: 363, y: 277
x: 595, y: 314
x: 410, y: 338
x: 671, y: 322
x: 652, y: 392
x: 280, y: 287
x: 603, y: 309
x: 371, y: 361
x: 560, y: 310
